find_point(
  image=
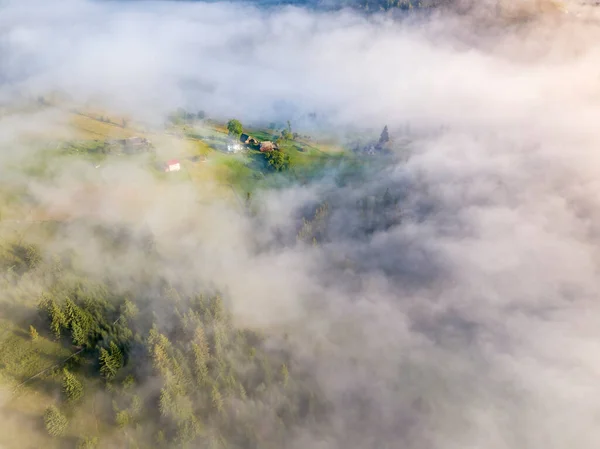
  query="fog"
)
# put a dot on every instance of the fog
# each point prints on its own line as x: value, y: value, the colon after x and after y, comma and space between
x: 475, y: 322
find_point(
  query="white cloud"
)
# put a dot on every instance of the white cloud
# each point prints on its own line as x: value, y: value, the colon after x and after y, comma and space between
x: 483, y: 303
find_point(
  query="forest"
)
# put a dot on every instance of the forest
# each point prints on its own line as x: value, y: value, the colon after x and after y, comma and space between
x: 156, y: 364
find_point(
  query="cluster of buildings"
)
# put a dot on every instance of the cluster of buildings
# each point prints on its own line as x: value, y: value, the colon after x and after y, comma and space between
x: 247, y: 141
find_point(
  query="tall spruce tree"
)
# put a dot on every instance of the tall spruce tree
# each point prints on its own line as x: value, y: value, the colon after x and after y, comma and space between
x: 384, y: 137
x: 72, y: 388
x: 110, y: 361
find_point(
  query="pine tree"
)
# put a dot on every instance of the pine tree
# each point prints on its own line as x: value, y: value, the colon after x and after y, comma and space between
x: 78, y: 334
x: 108, y: 364
x: 217, y: 399
x: 72, y: 388
x: 200, y: 359
x: 218, y: 309
x: 129, y: 309
x: 116, y: 354
x: 165, y: 403
x: 33, y: 333
x: 160, y: 358
x: 242, y: 392
x: 217, y: 341
x: 187, y: 431
x: 385, y: 137
x: 57, y: 319
x: 56, y: 423
x: 71, y: 312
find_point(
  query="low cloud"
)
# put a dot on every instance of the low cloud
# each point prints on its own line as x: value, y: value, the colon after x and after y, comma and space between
x: 469, y: 322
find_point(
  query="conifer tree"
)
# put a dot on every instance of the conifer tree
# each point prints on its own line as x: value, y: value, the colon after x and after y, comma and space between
x: 33, y: 333
x: 384, y: 137
x: 116, y: 354
x: 241, y: 391
x: 200, y: 366
x: 57, y: 319
x: 109, y: 365
x: 129, y: 309
x: 56, y: 423
x: 71, y: 312
x: 78, y: 334
x: 187, y: 431
x: 217, y: 399
x: 72, y: 388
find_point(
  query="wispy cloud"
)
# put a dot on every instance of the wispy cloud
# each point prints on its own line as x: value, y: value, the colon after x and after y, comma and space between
x: 473, y: 322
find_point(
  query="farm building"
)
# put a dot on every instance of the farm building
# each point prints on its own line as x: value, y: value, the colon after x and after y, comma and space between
x: 268, y: 146
x: 248, y: 140
x: 172, y: 165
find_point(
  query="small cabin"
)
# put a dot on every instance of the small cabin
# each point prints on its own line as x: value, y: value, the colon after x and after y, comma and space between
x: 248, y: 140
x: 268, y: 146
x: 172, y: 165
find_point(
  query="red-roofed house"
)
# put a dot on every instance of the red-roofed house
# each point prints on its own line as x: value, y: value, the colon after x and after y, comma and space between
x: 172, y: 165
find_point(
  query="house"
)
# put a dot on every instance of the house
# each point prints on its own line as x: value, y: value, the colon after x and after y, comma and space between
x: 268, y: 146
x: 248, y: 140
x: 172, y: 165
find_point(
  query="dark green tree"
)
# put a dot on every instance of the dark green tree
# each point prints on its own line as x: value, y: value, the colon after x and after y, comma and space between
x: 110, y: 361
x: 71, y: 312
x: 235, y: 128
